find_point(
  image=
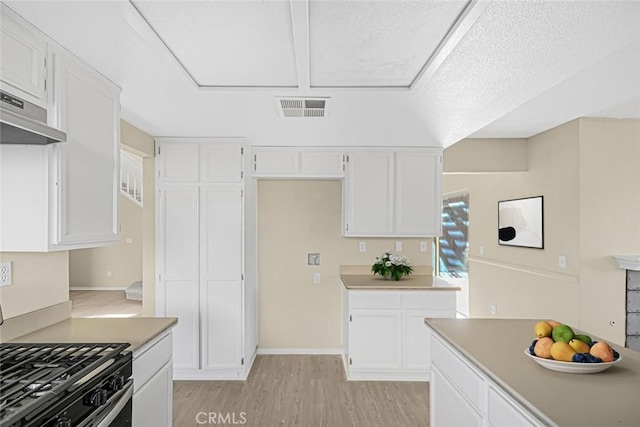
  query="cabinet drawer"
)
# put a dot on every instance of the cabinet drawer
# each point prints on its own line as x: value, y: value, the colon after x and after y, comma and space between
x: 150, y: 360
x: 430, y: 300
x: 505, y: 412
x: 461, y: 375
x: 374, y: 300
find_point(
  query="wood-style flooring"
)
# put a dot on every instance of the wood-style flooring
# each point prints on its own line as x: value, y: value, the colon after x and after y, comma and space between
x: 103, y: 304
x: 305, y: 391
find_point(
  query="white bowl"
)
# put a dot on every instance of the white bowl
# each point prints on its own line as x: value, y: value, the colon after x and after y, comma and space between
x: 572, y: 367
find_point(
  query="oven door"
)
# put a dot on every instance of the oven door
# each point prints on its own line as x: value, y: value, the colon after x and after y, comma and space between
x: 117, y: 412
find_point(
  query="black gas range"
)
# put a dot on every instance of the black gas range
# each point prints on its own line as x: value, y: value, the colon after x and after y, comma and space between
x: 65, y: 385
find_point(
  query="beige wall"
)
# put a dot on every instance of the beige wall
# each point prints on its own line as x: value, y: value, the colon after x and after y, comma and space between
x: 295, y: 218
x: 39, y: 280
x: 487, y: 155
x: 90, y: 267
x: 578, y: 168
x: 609, y: 219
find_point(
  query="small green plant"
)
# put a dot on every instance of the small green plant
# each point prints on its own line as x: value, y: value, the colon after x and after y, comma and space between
x: 391, y: 266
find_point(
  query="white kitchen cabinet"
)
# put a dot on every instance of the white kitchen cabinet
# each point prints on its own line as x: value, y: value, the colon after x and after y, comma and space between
x: 457, y: 383
x: 178, y: 291
x: 393, y: 193
x: 369, y: 194
x: 297, y: 163
x: 65, y: 195
x: 384, y: 334
x: 418, y: 195
x: 22, y: 59
x: 221, y: 254
x: 375, y: 340
x: 201, y: 258
x: 88, y: 110
x: 447, y: 407
x: 152, y: 399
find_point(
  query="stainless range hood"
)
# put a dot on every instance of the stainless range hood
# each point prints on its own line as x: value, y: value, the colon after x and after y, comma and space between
x: 22, y: 122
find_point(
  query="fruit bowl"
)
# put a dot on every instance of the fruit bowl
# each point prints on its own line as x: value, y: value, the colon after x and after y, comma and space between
x: 572, y: 367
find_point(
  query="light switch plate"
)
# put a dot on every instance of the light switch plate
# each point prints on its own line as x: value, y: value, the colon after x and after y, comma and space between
x: 362, y: 246
x: 423, y: 246
x: 399, y: 246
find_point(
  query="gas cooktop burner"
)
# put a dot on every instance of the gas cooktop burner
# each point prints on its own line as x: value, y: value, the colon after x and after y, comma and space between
x: 33, y: 376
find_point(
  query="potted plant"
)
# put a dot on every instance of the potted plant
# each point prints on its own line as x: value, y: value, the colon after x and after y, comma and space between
x: 391, y: 267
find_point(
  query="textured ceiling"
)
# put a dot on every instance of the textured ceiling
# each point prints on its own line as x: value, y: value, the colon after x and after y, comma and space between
x: 374, y: 44
x: 506, y: 69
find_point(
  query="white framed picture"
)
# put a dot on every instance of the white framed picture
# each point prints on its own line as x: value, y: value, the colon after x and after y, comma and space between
x: 520, y: 222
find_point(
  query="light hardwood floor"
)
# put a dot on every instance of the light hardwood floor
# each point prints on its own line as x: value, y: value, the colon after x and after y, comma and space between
x: 305, y: 391
x: 103, y: 304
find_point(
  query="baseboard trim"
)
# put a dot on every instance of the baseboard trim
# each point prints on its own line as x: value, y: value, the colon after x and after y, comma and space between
x: 97, y: 288
x: 203, y: 374
x: 332, y: 351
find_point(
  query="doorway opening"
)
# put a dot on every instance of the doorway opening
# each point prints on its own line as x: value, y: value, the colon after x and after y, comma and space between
x: 451, y: 250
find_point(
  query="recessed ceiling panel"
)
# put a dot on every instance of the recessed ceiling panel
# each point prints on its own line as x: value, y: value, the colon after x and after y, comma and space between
x: 375, y: 43
x: 227, y: 43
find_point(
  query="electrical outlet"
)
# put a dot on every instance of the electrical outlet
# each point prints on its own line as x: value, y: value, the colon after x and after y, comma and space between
x: 423, y: 246
x: 399, y: 246
x: 128, y: 240
x: 5, y: 273
x: 108, y: 273
x: 316, y: 278
x: 562, y: 261
x: 494, y: 309
x: 481, y: 250
x: 362, y: 246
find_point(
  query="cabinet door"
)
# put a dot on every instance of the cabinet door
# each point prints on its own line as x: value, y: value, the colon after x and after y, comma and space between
x: 415, y: 341
x: 221, y: 161
x: 447, y: 407
x: 22, y: 60
x: 178, y: 161
x: 153, y: 403
x: 369, y: 194
x: 178, y: 264
x: 319, y: 164
x: 375, y: 339
x: 88, y: 110
x: 221, y: 252
x: 275, y: 162
x: 418, y: 193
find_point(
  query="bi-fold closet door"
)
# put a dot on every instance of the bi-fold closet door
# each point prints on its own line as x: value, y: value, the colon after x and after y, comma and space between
x: 201, y: 254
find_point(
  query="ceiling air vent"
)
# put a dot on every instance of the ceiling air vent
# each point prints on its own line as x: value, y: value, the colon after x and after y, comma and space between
x: 303, y: 107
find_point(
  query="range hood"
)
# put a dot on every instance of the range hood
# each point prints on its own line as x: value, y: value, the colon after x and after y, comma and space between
x: 22, y: 122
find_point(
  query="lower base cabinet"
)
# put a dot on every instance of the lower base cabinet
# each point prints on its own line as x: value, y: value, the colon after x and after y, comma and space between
x: 461, y: 395
x: 385, y: 337
x: 153, y: 384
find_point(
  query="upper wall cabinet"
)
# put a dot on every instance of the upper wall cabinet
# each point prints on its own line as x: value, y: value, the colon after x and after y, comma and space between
x: 22, y: 68
x: 289, y: 162
x: 65, y: 195
x: 207, y: 160
x: 393, y: 193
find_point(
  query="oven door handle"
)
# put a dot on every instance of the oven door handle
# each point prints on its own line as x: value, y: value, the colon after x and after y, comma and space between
x: 114, y: 411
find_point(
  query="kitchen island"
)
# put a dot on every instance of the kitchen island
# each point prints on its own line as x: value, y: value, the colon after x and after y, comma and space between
x: 383, y: 323
x: 479, y: 367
